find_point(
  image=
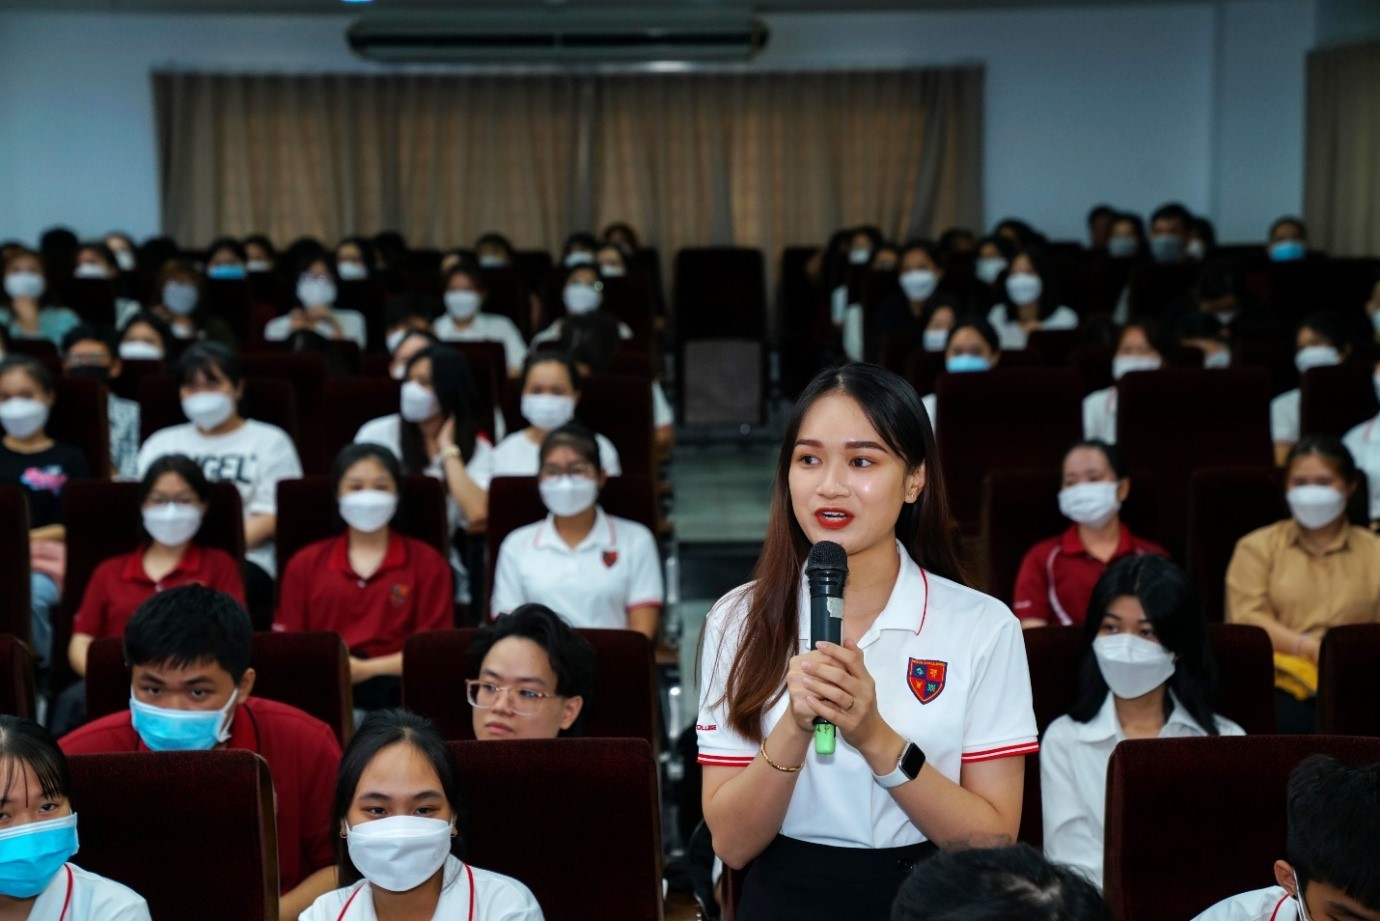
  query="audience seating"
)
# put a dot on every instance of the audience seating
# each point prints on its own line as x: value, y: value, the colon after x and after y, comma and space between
x: 306, y: 373
x: 132, y: 372
x: 1094, y: 362
x: 1295, y: 289
x: 508, y: 295
x: 309, y: 670
x: 721, y: 308
x: 488, y: 369
x: 1347, y: 671
x: 350, y: 402
x: 231, y: 300
x: 1155, y: 285
x: 593, y: 854
x: 533, y: 265
x: 265, y: 400
x: 617, y: 406
x: 1018, y: 418
x: 1334, y: 400
x: 79, y: 418
x: 1275, y: 355
x: 435, y: 666
x: 41, y: 351
x: 211, y: 815
x: 1053, y: 346
x: 16, y: 677
x: 15, y: 604
x: 1193, y: 821
x: 307, y: 512
x: 367, y: 295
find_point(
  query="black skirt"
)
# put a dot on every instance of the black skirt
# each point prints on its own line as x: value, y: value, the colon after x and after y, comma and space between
x: 795, y: 880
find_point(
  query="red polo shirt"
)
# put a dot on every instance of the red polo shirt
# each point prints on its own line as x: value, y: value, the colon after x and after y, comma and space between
x: 410, y: 593
x: 119, y: 585
x: 1056, y: 579
x: 303, y: 757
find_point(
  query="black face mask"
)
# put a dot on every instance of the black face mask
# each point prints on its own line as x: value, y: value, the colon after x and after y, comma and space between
x: 93, y: 372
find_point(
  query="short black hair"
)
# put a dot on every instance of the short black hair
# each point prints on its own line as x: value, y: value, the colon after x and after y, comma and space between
x: 1332, y: 326
x: 565, y: 360
x: 984, y: 328
x: 187, y: 625
x: 996, y: 884
x: 1100, y: 211
x: 582, y: 239
x: 411, y: 304
x: 1334, y: 827
x: 571, y: 655
x: 1328, y: 447
x: 91, y: 332
x: 1151, y: 329
x: 578, y: 438
x: 210, y: 360
x: 1109, y: 451
x: 183, y: 466
x: 24, y: 742
x: 154, y: 322
x: 1174, y: 211
x: 35, y: 369
x: 1289, y: 219
x: 353, y: 454
x: 235, y: 246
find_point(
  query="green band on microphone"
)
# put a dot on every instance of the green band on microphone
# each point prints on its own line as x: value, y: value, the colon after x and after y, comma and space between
x: 824, y: 738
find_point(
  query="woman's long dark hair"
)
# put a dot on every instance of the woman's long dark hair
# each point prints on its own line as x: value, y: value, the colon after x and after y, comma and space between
x: 925, y: 528
x: 455, y: 391
x: 1049, y: 282
x: 1164, y: 592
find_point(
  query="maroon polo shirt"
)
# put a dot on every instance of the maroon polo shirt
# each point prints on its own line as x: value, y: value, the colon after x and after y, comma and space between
x: 1056, y: 578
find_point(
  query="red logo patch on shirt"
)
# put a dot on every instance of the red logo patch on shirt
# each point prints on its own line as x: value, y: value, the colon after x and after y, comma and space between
x: 610, y: 557
x: 398, y: 594
x: 926, y: 678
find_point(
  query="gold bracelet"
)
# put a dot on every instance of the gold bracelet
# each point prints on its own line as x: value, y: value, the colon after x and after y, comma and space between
x: 452, y: 451
x: 782, y: 768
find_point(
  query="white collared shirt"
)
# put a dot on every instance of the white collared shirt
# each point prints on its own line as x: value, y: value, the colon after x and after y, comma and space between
x: 931, y: 403
x: 951, y: 675
x: 518, y: 455
x: 1363, y: 442
x: 614, y: 569
x: 1284, y: 416
x: 487, y: 327
x: 94, y: 898
x: 351, y: 327
x: 1099, y: 415
x: 1012, y: 336
x: 496, y: 898
x: 1073, y: 780
x: 1272, y: 904
x: 553, y: 332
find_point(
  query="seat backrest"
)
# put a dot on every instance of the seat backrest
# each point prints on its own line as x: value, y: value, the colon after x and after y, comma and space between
x: 1294, y: 289
x: 1155, y: 284
x: 1334, y: 400
x: 1025, y: 417
x: 132, y: 371
x: 15, y: 610
x: 267, y: 400
x: 182, y: 800
x: 623, y: 704
x: 230, y: 299
x: 721, y: 291
x: 350, y: 402
x: 1053, y: 346
x: 16, y: 677
x: 488, y: 370
x: 306, y: 373
x: 79, y: 418
x: 617, y: 802
x: 1209, y: 802
x: 1275, y: 355
x: 1347, y: 668
x: 307, y: 512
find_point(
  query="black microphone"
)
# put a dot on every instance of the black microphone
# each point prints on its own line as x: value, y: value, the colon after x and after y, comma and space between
x: 826, y: 569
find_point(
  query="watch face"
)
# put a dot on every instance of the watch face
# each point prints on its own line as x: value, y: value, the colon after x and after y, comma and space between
x: 912, y: 761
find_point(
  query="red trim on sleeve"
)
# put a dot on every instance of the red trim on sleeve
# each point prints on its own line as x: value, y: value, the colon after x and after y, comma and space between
x: 725, y: 760
x: 1007, y: 751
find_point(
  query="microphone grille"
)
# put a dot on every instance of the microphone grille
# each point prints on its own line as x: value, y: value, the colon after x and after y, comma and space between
x: 826, y: 555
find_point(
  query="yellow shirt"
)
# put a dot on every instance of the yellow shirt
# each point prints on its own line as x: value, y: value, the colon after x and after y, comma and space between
x: 1273, y: 577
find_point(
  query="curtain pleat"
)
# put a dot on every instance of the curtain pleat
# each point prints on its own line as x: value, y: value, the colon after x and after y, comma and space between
x: 1342, y: 152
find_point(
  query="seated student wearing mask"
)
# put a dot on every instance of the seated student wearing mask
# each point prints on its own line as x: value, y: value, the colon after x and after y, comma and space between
x: 922, y: 314
x: 1139, y: 347
x: 373, y: 586
x: 973, y: 346
x: 1028, y: 300
x: 188, y: 651
x: 315, y: 309
x: 38, y: 837
x: 550, y: 392
x: 582, y: 295
x: 253, y: 455
x: 466, y: 321
x: 97, y: 261
x: 987, y: 884
x: 535, y: 676
x: 1329, y: 871
x: 409, y: 343
x: 398, y: 809
x: 1323, y: 341
x: 145, y: 337
x: 181, y: 291
x: 594, y: 569
x: 407, y: 312
x: 90, y: 351
x: 24, y: 311
x: 1057, y: 575
x: 1203, y: 332
x: 1288, y: 240
x: 1147, y: 673
x: 1303, y: 575
x: 1170, y: 228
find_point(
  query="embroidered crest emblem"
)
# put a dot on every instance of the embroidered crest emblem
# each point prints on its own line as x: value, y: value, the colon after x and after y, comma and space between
x: 926, y: 678
x: 398, y: 594
x: 610, y: 557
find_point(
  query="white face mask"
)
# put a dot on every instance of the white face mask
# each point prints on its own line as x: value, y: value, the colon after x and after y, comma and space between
x: 918, y: 284
x: 351, y: 271
x: 935, y: 340
x: 565, y: 496
x: 1132, y: 666
x: 172, y: 524
x: 462, y: 304
x: 22, y: 417
x: 578, y: 257
x: 1122, y: 247
x: 136, y: 350
x: 90, y: 270
x: 1316, y: 356
x: 180, y: 298
x: 988, y: 268
x: 419, y: 403
x: 1218, y: 359
x: 125, y: 260
x: 1123, y: 365
x: 581, y: 299
x: 492, y: 262
x: 609, y: 270
x: 860, y: 256
x: 208, y: 410
x: 394, y: 339
x: 25, y: 284
x: 258, y: 266
x: 1091, y: 504
x: 1024, y: 287
x: 316, y: 292
x: 401, y: 852
x: 1315, y: 507
x: 368, y: 509
x: 547, y: 411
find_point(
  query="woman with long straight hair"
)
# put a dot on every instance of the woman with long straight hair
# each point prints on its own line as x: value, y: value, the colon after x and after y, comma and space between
x: 929, y: 691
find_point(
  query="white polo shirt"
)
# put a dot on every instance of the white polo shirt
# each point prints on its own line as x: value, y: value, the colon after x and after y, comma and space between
x: 496, y: 898
x: 487, y: 327
x: 1099, y: 415
x: 1284, y: 416
x: 351, y: 327
x: 518, y: 455
x: 1012, y: 336
x: 1073, y: 780
x: 553, y: 332
x: 1363, y: 442
x: 93, y: 898
x: 615, y: 568
x: 931, y: 403
x: 1272, y: 904
x: 950, y: 668
x: 661, y: 407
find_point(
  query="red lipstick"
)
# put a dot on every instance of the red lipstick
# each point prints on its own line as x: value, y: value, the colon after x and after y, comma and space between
x: 833, y: 518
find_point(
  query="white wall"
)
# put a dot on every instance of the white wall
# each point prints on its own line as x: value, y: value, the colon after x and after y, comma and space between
x: 1134, y: 105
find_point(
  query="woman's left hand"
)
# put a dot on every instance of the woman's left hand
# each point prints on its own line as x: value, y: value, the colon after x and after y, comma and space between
x: 842, y: 691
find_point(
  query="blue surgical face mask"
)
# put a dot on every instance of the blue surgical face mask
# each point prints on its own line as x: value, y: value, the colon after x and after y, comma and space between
x: 166, y: 730
x: 1288, y: 251
x: 1166, y: 247
x: 32, y: 854
x: 961, y: 364
x: 227, y: 271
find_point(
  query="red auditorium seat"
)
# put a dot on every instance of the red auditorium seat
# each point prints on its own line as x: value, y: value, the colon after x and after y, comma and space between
x: 619, y: 407
x: 488, y: 370
x: 132, y: 373
x: 1094, y: 362
x: 306, y: 373
x: 79, y: 418
x: 1295, y: 289
x: 1154, y: 285
x: 266, y: 400
x: 720, y: 304
x: 509, y: 295
x: 1217, y: 805
x: 182, y: 801
x: 16, y: 677
x: 350, y: 402
x: 1053, y: 346
x: 596, y: 854
x: 1275, y: 355
x: 91, y: 299
x: 231, y: 299
x: 437, y: 664
x: 15, y: 604
x: 1334, y: 400
x: 1347, y: 669
x: 42, y: 351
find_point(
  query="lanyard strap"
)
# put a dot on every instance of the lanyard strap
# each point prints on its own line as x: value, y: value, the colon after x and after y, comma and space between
x: 349, y: 902
x: 62, y: 915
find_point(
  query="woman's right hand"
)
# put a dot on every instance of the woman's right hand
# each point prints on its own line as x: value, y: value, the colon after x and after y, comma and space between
x: 800, y: 697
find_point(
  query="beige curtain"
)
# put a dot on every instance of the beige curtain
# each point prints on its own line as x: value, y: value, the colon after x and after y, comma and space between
x: 752, y: 159
x: 1342, y: 159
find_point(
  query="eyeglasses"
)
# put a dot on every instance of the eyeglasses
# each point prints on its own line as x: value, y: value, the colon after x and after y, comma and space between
x: 579, y: 468
x: 484, y: 695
